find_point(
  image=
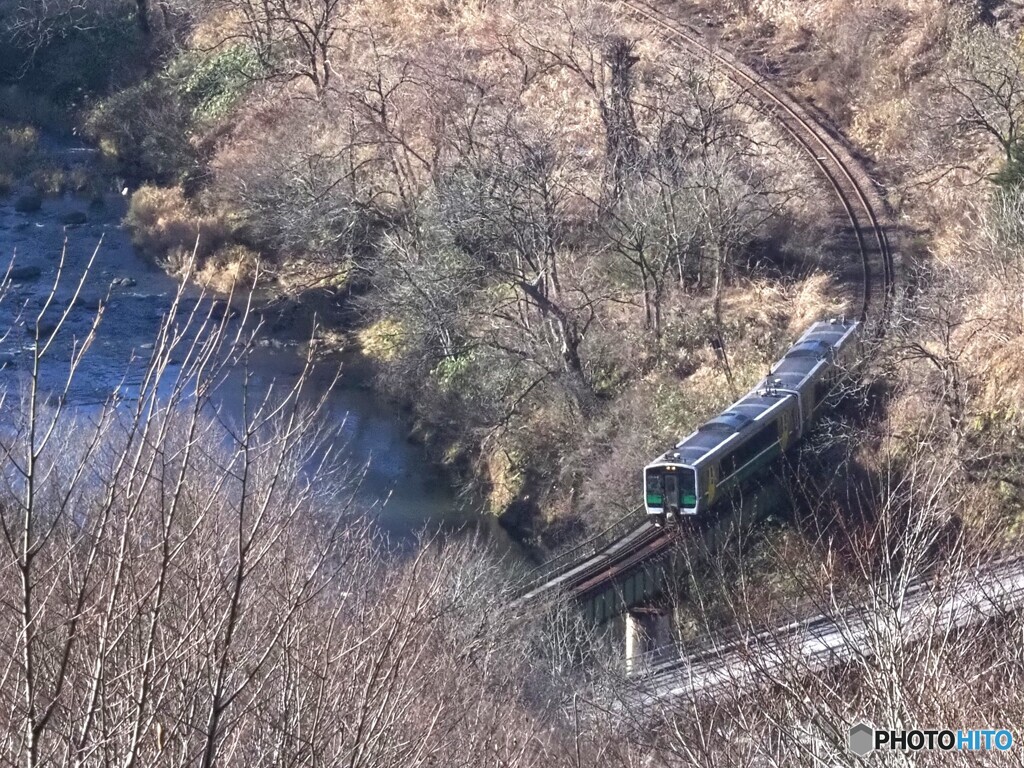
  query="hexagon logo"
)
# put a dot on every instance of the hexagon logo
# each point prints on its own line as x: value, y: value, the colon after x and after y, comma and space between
x: 862, y: 739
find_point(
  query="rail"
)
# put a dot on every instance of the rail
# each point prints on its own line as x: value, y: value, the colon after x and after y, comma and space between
x: 629, y: 522
x: 808, y: 133
x: 821, y: 641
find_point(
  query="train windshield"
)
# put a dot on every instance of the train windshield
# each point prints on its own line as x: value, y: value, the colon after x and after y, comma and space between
x: 687, y: 487
x: 671, y: 488
x: 655, y: 488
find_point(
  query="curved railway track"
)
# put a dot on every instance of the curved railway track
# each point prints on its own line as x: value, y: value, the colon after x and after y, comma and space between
x: 632, y: 538
x: 852, y: 187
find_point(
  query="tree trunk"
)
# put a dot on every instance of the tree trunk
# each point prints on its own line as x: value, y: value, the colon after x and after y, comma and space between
x: 142, y: 14
x: 718, y: 264
x: 622, y: 143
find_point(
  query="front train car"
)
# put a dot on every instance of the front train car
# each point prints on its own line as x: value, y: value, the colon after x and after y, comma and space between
x: 670, y: 488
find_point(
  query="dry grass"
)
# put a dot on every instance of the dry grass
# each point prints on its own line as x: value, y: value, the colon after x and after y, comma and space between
x: 163, y: 222
x: 812, y: 299
x: 229, y: 268
x: 1001, y: 370
x: 863, y: 64
x: 49, y: 181
x: 504, y: 479
x: 18, y: 154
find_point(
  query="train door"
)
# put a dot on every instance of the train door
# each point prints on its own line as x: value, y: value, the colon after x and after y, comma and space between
x: 710, y: 483
x: 785, y: 428
x: 671, y: 493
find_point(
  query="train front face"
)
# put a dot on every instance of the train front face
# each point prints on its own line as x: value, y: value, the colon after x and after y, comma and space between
x: 670, y: 490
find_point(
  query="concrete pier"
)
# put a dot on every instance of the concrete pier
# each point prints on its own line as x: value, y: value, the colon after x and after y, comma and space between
x: 648, y: 634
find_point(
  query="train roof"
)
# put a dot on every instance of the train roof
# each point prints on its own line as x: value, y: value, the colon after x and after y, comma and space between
x: 789, y: 373
x: 744, y: 414
x: 757, y: 402
x: 816, y: 348
x: 728, y: 422
x: 831, y: 331
x: 792, y: 371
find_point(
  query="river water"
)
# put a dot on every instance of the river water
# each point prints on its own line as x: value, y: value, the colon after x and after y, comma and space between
x: 401, y: 488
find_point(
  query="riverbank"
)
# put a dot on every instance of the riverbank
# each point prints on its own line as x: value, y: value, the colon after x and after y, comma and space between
x: 298, y: 300
x: 400, y: 485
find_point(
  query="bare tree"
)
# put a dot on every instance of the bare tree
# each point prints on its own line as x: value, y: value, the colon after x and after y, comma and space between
x: 583, y: 39
x: 302, y: 40
x: 33, y: 25
x: 182, y: 584
x: 652, y: 229
x: 988, y: 82
x: 508, y: 208
x: 303, y: 191
x: 999, y: 226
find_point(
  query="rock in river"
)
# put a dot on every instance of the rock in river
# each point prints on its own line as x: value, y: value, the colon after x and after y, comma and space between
x: 25, y: 273
x: 74, y: 219
x: 30, y: 202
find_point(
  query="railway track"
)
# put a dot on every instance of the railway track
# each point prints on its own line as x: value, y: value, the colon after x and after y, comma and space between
x: 580, y: 569
x: 854, y: 190
x: 927, y: 608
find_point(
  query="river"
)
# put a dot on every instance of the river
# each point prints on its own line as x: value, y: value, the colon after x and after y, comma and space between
x: 401, y: 487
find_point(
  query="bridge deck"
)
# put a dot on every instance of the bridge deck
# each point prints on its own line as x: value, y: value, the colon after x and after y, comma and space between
x: 596, y: 570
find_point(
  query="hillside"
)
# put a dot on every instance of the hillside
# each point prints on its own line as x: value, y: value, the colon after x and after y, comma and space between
x: 556, y: 242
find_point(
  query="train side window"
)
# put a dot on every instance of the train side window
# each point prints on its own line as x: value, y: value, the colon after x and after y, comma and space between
x: 728, y: 464
x: 742, y: 455
x: 821, y: 390
x: 761, y: 440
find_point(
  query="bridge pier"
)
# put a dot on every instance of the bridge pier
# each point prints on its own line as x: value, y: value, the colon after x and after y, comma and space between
x: 648, y: 634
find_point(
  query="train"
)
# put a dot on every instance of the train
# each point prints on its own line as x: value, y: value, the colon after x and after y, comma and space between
x: 724, y: 453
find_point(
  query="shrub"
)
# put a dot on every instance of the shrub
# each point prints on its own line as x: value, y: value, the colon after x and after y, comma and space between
x: 17, y: 149
x: 145, y: 130
x: 48, y: 181
x: 231, y: 266
x: 152, y: 130
x: 1011, y: 175
x: 450, y: 372
x: 213, y: 85
x: 162, y: 221
x: 79, y: 180
x: 383, y: 341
